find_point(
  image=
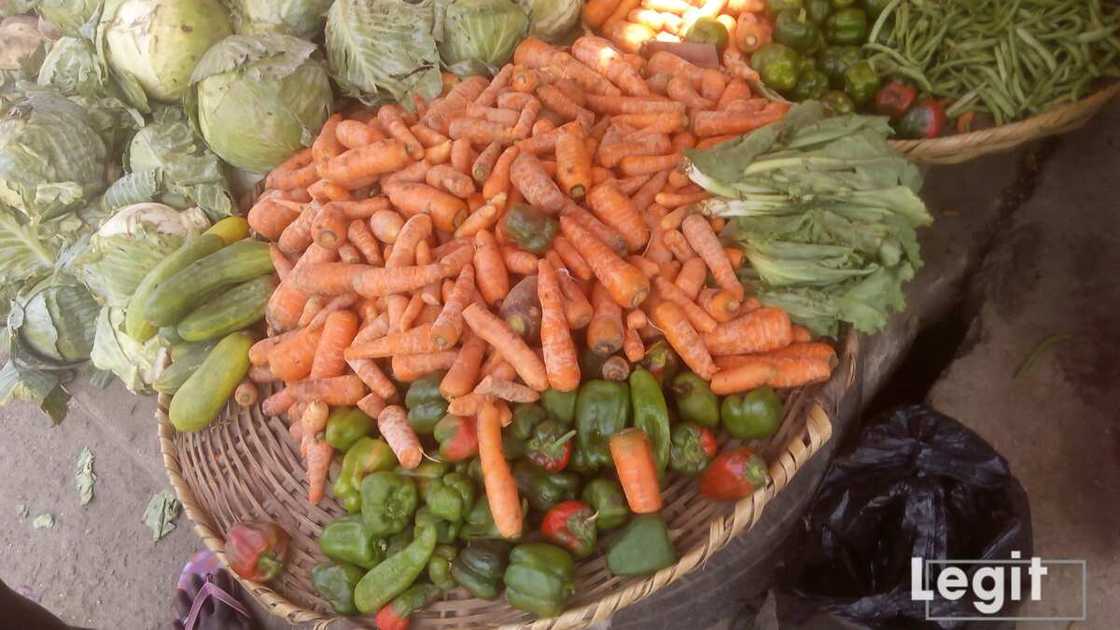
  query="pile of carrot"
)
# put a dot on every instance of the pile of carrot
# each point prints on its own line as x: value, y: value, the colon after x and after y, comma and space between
x: 631, y: 25
x: 388, y: 238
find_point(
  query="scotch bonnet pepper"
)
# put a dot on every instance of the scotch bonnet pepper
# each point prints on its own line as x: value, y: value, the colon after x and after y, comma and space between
x: 367, y: 455
x: 388, y: 502
x: 257, y: 550
x: 539, y: 579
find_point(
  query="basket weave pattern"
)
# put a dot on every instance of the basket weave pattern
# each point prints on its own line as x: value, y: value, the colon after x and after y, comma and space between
x: 245, y: 466
x: 968, y: 146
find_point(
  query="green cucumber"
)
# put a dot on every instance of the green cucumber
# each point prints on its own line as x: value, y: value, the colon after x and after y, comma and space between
x: 136, y: 323
x: 201, y: 398
x: 233, y: 310
x: 186, y: 359
x: 181, y: 293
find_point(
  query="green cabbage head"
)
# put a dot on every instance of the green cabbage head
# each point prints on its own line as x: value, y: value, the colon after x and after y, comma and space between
x: 477, y: 36
x: 260, y: 98
x: 302, y: 18
x: 69, y: 15
x: 73, y: 67
x: 54, y: 321
x: 552, y: 20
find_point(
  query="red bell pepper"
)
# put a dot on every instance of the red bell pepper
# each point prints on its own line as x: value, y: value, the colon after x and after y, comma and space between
x: 925, y: 120
x: 257, y: 550
x: 550, y: 447
x: 895, y: 99
x: 734, y: 474
x: 457, y: 437
x: 571, y: 525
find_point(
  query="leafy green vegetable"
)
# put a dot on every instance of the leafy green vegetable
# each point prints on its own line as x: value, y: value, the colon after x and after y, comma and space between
x: 383, y: 49
x: 73, y: 67
x: 16, y: 7
x: 72, y: 17
x: 132, y: 361
x: 552, y: 20
x: 161, y: 513
x: 277, y: 82
x: 84, y: 476
x: 477, y: 36
x: 302, y: 18
x: 824, y: 210
x: 43, y: 521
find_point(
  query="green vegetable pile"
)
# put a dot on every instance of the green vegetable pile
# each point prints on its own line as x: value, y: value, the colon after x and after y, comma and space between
x: 826, y: 212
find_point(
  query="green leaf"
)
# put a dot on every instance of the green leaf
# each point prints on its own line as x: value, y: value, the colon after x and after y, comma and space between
x: 84, y: 476
x: 25, y: 253
x: 43, y: 521
x: 133, y: 188
x: 73, y: 67
x: 161, y: 513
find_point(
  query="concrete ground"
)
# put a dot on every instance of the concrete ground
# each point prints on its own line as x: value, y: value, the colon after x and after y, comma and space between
x: 1047, y: 273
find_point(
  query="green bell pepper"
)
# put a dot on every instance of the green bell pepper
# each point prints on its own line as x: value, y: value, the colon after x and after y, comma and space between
x: 794, y: 29
x: 835, y: 61
x: 544, y: 489
x: 753, y: 415
x: 388, y: 501
x: 560, y: 406
x: 396, y: 573
x: 515, y: 437
x: 861, y: 82
x: 346, y: 425
x: 605, y: 497
x: 694, y: 447
x: 642, y: 547
x: 706, y: 30
x: 367, y: 455
x: 426, y: 406
x: 539, y: 579
x: 838, y: 102
x: 397, y: 542
x: 480, y: 566
x: 335, y: 583
x: 694, y: 400
x: 446, y: 531
x: 529, y: 228
x: 818, y: 10
x: 439, y: 567
x: 778, y: 65
x: 811, y: 86
x: 551, y: 446
x: 427, y: 472
x: 395, y: 615
x: 846, y: 26
x: 450, y: 497
x: 602, y: 409
x: 777, y: 6
x: 651, y: 414
x: 347, y: 539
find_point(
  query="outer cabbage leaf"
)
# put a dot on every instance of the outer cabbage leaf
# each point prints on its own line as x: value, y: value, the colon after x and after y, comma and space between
x: 381, y: 49
x: 478, y: 36
x: 552, y: 20
x: 133, y: 362
x: 73, y: 67
x: 72, y: 17
x: 302, y: 18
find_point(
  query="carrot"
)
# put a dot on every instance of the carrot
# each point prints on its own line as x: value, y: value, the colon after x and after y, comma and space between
x: 427, y: 136
x: 605, y: 331
x: 291, y: 359
x: 712, y: 85
x: 312, y: 422
x: 506, y: 390
x: 372, y: 404
x: 448, y: 326
x: 637, y: 472
x: 269, y: 218
x: 643, y: 143
x: 280, y: 262
x: 485, y: 162
x: 577, y: 308
x: 560, y: 358
x: 375, y: 282
x: 680, y: 89
x: 697, y: 317
x: 716, y: 123
x: 410, y: 367
x: 601, y: 56
x: 463, y: 374
x: 356, y: 166
x: 415, y: 172
x: 574, y: 262
x: 621, y: 11
x: 338, y: 331
x: 691, y: 277
x: 706, y: 244
x: 722, y: 305
x: 393, y: 425
x: 529, y: 176
x: 297, y: 236
x: 465, y: 92
x: 573, y: 163
x: 815, y: 350
x: 682, y: 199
x: 493, y: 277
x: 330, y: 227
x: 462, y: 155
x: 760, y: 330
x: 326, y: 145
x: 394, y: 308
x: 626, y: 284
x: 332, y: 278
x: 643, y: 199
x: 524, y: 79
x: 668, y: 63
x: 298, y: 160
x: 616, y: 210
x: 558, y: 101
x: 476, y: 131
x: 718, y: 223
x: 430, y: 293
x: 673, y: 323
x: 416, y: 340
x: 360, y: 236
x: 259, y: 351
x: 347, y: 253
x: 633, y: 105
x: 529, y: 114
x: 319, y: 455
x: 596, y: 12
x: 386, y: 225
x: 736, y: 90
x: 632, y: 346
x: 286, y: 303
x: 498, y: 334
x: 497, y: 182
x: 261, y: 374
x: 294, y: 414
x: 439, y: 154
x: 606, y: 234
x: 501, y: 488
x: 411, y: 312
x: 446, y: 211
x: 678, y: 179
x: 277, y: 403
x: 534, y: 53
x: 644, y: 164
x: 801, y: 334
x: 744, y: 377
x: 513, y: 100
x: 659, y: 122
x: 519, y: 261
x: 498, y: 84
x: 390, y: 118
x: 711, y: 141
x: 450, y: 180
x: 353, y: 134
x: 334, y: 391
x: 467, y: 404
x: 678, y: 245
x: 627, y: 36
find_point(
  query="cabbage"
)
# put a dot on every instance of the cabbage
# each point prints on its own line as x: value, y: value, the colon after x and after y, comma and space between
x: 260, y: 98
x: 52, y: 159
x: 381, y: 49
x: 477, y: 36
x: 16, y: 7
x: 153, y: 45
x: 73, y: 67
x: 129, y: 244
x: 552, y: 20
x: 302, y: 18
x: 21, y: 52
x: 113, y: 350
x: 70, y: 15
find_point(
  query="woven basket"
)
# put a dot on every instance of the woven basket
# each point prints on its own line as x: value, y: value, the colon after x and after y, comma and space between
x: 969, y: 146
x: 245, y: 466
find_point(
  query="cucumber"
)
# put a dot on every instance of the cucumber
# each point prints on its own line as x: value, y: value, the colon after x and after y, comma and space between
x: 136, y: 323
x: 190, y: 286
x: 235, y: 309
x: 187, y: 358
x: 204, y: 394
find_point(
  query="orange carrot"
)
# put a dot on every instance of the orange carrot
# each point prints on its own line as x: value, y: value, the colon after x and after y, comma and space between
x: 680, y: 89
x: 373, y: 377
x: 691, y: 277
x: 575, y: 263
x: 476, y: 131
x: 498, y: 334
x: 375, y: 282
x: 394, y: 308
x: 499, y: 83
x: 626, y: 284
x: 801, y: 333
x: 722, y: 305
x: 816, y: 350
x: 637, y: 472
x: 558, y: 101
x: 319, y: 455
x: 716, y: 123
x: 390, y: 118
x: 353, y: 134
x: 446, y: 211
x: 519, y: 261
x: 760, y: 330
x: 677, y: 180
x: 600, y: 55
x: 411, y: 312
x: 279, y: 177
x: 642, y: 143
x: 330, y: 227
x: 415, y: 172
x: 332, y: 278
x: 677, y: 200
x: 386, y: 225
x: 297, y: 236
x: 347, y: 253
x: 450, y: 180
x: 411, y: 367
x: 312, y: 422
x: 632, y: 346
x: 326, y: 145
x: 467, y: 404
x: 359, y: 234
x: 356, y: 166
x: 506, y: 390
x: 430, y: 293
x: 448, y: 326
x: 680, y: 334
x: 462, y: 155
x: 627, y: 36
x: 678, y: 245
x: 372, y: 404
x: 643, y: 199
x: 286, y: 303
x: 261, y: 374
x: 427, y: 136
x: 291, y: 360
x: 577, y: 308
x: 463, y: 374
x: 605, y: 331
x: 617, y: 211
x: 736, y: 90
x: 712, y: 84
x: 514, y: 101
x: 534, y: 53
x: 672, y: 220
x: 529, y: 176
x: 657, y: 122
x: 439, y: 115
x: 498, y: 180
x: 439, y: 154
x: 524, y: 79
x: 280, y: 262
x: 573, y: 163
x: 501, y: 489
x: 269, y: 218
x: 526, y: 120
x: 493, y: 277
x: 484, y: 163
x: 497, y: 366
x: 338, y: 331
x: 393, y: 425
x: 633, y: 105
x: 699, y: 319
x: 560, y: 358
x: 277, y: 403
x: 596, y: 12
x: 606, y: 234
x: 743, y: 377
x: 630, y: 185
x: 704, y: 241
x: 334, y: 391
x: 417, y: 340
x: 645, y: 164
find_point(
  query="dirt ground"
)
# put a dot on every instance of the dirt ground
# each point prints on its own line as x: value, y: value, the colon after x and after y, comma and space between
x: 1049, y: 273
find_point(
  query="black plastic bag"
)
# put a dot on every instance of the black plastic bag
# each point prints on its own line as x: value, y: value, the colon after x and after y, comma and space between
x: 918, y: 484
